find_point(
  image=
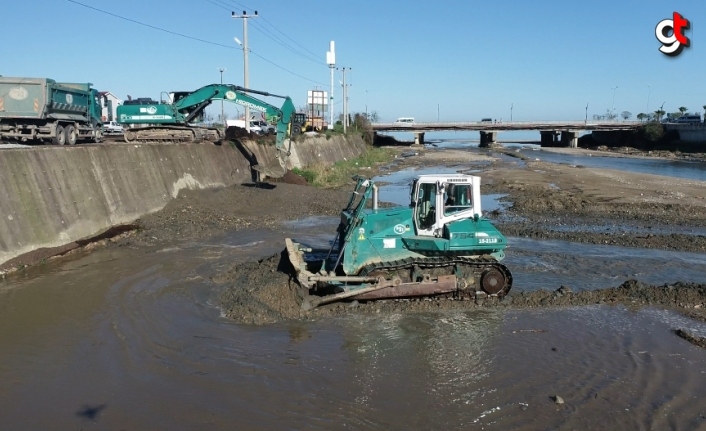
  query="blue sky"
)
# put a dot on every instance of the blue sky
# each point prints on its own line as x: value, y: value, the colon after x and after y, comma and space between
x: 460, y: 60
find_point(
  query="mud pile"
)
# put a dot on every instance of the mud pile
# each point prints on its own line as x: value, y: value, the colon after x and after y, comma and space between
x: 235, y: 133
x: 197, y: 214
x: 261, y: 291
x: 265, y: 292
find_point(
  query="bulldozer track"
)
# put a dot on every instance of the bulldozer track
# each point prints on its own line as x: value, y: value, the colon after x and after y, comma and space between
x: 479, y: 273
x: 171, y: 134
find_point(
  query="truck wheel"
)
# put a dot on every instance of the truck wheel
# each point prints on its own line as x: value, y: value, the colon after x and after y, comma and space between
x: 97, y: 137
x: 60, y: 137
x: 71, y: 135
x: 296, y: 130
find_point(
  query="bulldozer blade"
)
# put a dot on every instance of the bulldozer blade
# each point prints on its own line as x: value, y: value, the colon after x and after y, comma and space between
x: 314, y: 301
x: 275, y: 169
x: 443, y: 284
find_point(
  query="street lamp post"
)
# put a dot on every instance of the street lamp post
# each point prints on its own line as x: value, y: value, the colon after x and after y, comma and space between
x: 586, y: 120
x: 648, y: 98
x: 511, y: 105
x: 437, y: 112
x: 660, y: 110
x: 223, y: 115
x: 612, y: 111
x: 246, y: 81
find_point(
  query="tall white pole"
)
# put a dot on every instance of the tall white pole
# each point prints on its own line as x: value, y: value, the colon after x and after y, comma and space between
x: 223, y: 112
x: 345, y: 104
x: 246, y: 80
x: 331, y: 61
x: 331, y: 120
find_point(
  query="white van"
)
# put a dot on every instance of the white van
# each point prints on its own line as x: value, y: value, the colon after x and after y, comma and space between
x: 688, y: 119
x: 112, y: 128
x: 254, y: 128
x: 407, y: 121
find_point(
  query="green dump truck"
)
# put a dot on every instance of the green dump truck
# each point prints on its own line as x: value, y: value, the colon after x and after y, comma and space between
x: 43, y: 110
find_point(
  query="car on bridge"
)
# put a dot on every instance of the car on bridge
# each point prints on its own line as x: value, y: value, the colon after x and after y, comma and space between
x: 404, y: 121
x: 486, y: 120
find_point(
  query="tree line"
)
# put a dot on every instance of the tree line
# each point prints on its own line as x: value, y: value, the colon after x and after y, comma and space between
x: 652, y: 116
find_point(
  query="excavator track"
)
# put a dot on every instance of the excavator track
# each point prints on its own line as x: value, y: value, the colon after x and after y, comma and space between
x: 473, y: 274
x: 171, y: 134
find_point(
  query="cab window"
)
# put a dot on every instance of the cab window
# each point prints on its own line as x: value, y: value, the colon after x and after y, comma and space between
x: 426, y: 211
x: 457, y: 197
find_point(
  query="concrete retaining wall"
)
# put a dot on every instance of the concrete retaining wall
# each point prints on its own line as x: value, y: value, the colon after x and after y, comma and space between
x: 689, y: 132
x: 51, y: 196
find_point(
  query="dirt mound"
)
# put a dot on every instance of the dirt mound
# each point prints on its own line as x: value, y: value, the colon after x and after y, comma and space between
x: 265, y: 292
x: 198, y: 214
x: 292, y: 178
x: 236, y: 133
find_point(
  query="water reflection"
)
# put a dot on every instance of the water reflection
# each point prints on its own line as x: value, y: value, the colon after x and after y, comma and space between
x: 670, y: 168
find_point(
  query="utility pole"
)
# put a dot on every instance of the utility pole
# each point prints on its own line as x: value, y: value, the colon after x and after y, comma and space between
x: 648, y: 98
x: 246, y: 80
x: 586, y: 120
x: 612, y: 111
x: 511, y: 105
x: 345, y: 100
x: 437, y: 112
x: 331, y: 61
x: 223, y: 115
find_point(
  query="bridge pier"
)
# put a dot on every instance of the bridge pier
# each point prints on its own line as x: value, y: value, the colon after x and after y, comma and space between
x: 419, y: 138
x: 549, y: 138
x: 570, y: 138
x: 488, y: 139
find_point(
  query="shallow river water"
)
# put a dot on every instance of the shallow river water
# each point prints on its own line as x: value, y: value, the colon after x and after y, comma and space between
x: 134, y: 339
x: 124, y: 338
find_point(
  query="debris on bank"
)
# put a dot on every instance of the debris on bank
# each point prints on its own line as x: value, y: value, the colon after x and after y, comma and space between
x: 693, y: 339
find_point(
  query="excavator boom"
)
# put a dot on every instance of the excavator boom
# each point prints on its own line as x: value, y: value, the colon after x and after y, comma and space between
x: 171, y: 122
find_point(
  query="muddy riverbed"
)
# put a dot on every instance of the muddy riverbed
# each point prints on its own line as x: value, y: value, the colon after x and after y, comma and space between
x: 544, y: 202
x: 192, y: 321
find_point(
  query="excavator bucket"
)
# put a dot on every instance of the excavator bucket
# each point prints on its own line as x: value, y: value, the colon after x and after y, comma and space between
x: 275, y: 169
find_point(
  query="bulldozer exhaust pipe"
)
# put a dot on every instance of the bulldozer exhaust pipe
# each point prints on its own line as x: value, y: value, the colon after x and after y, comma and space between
x: 375, y: 196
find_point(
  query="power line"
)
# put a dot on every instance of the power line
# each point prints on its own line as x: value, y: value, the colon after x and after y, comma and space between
x: 151, y: 26
x: 272, y: 36
x: 304, y: 48
x: 262, y: 29
x: 189, y: 37
x: 289, y: 71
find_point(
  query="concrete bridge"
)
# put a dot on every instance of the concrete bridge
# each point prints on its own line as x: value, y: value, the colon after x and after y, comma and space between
x: 552, y: 133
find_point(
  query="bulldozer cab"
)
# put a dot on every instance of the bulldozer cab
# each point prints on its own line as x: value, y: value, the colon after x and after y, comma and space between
x: 438, y: 200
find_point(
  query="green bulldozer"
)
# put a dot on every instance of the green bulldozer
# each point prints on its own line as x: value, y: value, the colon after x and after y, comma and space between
x: 439, y: 245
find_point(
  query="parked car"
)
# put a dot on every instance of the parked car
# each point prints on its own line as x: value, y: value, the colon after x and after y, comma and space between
x: 486, y: 120
x: 265, y: 127
x: 254, y: 128
x: 112, y: 128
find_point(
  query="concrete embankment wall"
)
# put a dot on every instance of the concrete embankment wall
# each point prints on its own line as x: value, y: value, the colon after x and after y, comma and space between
x: 52, y: 196
x: 694, y: 133
x: 681, y: 137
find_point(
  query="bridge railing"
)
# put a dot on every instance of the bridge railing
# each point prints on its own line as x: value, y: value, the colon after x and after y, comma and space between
x: 508, y: 123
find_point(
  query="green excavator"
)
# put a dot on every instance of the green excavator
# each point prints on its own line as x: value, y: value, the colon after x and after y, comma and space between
x: 176, y: 120
x: 438, y: 245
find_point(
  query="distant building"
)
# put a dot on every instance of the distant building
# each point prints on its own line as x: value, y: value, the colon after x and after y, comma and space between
x: 110, y: 103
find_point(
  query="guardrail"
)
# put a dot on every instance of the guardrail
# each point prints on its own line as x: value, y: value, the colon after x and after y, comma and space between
x: 510, y: 123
